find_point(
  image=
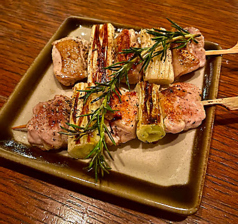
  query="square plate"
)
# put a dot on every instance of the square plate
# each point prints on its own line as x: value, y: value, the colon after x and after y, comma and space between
x: 168, y: 175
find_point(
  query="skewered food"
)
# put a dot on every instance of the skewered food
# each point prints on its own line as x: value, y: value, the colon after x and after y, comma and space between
x: 69, y: 57
x: 191, y: 57
x: 171, y: 110
x: 74, y: 58
x: 101, y: 53
x: 158, y: 71
x: 81, y: 147
x: 150, y: 127
x: 48, y: 117
x: 181, y: 106
x: 125, y: 40
x: 112, y: 117
x: 122, y: 122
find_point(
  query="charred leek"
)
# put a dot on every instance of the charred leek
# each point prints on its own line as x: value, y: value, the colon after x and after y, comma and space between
x: 158, y: 71
x: 81, y: 144
x: 150, y: 126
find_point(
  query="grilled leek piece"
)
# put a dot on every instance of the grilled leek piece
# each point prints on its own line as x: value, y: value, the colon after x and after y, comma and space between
x: 80, y: 148
x: 158, y: 71
x: 101, y: 52
x: 150, y: 126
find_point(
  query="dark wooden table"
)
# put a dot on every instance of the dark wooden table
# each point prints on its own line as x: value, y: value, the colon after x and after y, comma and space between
x: 28, y: 196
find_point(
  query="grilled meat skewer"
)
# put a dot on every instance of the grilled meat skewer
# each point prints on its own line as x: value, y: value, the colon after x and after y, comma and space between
x: 69, y: 57
x: 75, y: 59
x: 172, y: 110
x: 48, y: 117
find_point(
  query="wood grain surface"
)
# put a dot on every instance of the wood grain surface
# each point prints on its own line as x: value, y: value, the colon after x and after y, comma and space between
x: 28, y: 196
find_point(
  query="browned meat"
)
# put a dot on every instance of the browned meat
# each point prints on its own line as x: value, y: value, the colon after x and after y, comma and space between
x: 45, y: 124
x: 125, y: 40
x: 189, y: 58
x: 69, y: 57
x: 122, y: 123
x: 182, y: 108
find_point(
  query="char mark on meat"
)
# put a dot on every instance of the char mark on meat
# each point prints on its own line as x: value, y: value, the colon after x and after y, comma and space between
x: 125, y: 40
x: 122, y: 122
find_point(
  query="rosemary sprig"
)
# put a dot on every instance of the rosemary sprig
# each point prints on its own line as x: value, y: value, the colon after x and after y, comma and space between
x: 97, y: 118
x: 98, y: 162
x: 162, y: 42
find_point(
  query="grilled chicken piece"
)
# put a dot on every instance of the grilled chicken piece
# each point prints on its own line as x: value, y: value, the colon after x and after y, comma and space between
x: 122, y: 123
x: 182, y: 108
x: 191, y: 57
x: 45, y: 124
x: 125, y: 40
x: 69, y: 57
x: 101, y: 53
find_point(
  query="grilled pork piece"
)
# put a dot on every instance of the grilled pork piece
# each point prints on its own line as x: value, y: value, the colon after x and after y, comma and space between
x: 45, y: 124
x: 101, y: 53
x: 181, y: 107
x: 122, y: 123
x: 69, y: 57
x: 125, y: 40
x: 191, y: 57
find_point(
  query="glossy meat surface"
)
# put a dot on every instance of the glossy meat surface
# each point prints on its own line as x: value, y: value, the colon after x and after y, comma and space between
x: 45, y: 124
x: 189, y: 58
x: 69, y: 57
x: 122, y: 123
x: 125, y: 40
x: 181, y: 107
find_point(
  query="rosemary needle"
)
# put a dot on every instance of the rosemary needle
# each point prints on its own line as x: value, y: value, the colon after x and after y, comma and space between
x: 162, y: 42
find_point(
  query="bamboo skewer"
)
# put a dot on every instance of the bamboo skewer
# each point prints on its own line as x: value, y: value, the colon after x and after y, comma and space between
x: 232, y: 50
x: 20, y: 128
x: 230, y: 102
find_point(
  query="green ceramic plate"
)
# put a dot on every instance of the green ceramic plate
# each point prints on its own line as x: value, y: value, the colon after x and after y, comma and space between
x: 168, y: 175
